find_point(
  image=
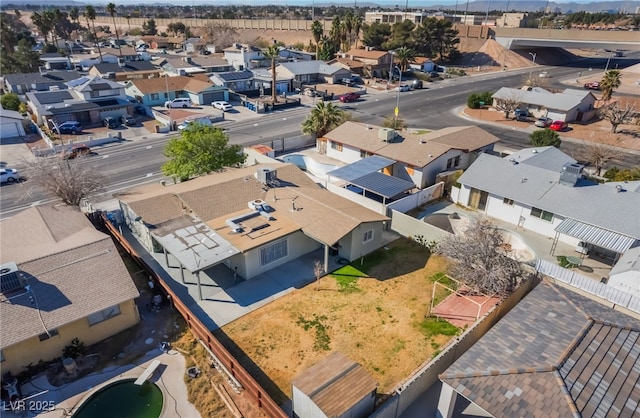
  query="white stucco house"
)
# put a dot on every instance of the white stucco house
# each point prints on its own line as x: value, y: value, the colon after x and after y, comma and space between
x: 245, y: 57
x: 416, y: 157
x: 11, y: 123
x: 625, y: 274
x: 570, y: 105
x: 543, y: 190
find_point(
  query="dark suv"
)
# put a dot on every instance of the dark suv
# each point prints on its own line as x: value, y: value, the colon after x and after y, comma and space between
x: 70, y: 127
x: 111, y: 122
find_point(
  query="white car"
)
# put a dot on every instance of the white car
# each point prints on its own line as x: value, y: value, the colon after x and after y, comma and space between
x: 9, y: 175
x: 402, y: 87
x: 544, y: 74
x: 222, y: 105
x: 179, y: 102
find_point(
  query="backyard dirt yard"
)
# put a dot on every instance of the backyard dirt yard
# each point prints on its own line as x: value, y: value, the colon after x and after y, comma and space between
x: 378, y: 321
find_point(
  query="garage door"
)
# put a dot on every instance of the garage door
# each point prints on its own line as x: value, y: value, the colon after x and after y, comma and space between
x: 9, y: 130
x: 207, y: 98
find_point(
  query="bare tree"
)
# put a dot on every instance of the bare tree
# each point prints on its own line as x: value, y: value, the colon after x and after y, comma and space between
x: 220, y: 34
x: 597, y: 152
x: 618, y: 113
x: 70, y: 180
x: 318, y: 269
x: 479, y: 259
x: 507, y: 104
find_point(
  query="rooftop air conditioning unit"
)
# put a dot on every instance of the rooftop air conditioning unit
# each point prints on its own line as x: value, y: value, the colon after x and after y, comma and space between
x: 266, y: 175
x: 386, y: 134
x: 8, y: 268
x: 256, y: 204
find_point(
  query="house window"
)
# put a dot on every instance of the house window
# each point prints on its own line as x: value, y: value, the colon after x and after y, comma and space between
x: 453, y: 162
x: 542, y: 214
x: 507, y: 201
x: 364, y: 154
x: 336, y: 146
x: 103, y: 315
x: 273, y: 252
x: 368, y: 236
x: 45, y: 336
x: 154, y: 96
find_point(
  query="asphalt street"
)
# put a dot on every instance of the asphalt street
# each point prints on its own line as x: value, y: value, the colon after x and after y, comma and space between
x: 136, y: 162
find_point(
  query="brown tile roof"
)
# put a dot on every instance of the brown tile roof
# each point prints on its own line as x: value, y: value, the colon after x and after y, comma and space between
x: 69, y: 281
x: 159, y: 85
x: 363, y: 53
x: 409, y: 148
x: 348, y: 62
x: 421, y: 60
x: 556, y: 354
x: 335, y: 384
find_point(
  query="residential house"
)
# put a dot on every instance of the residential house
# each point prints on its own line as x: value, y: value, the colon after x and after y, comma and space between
x: 417, y: 157
x: 109, y: 56
x: 334, y: 387
x: 557, y: 353
x: 570, y: 105
x: 156, y: 91
x: 127, y: 70
x: 625, y: 274
x: 355, y: 67
x: 194, y: 45
x: 160, y: 42
x: 270, y: 215
x: 305, y: 72
x: 422, y: 64
x: 194, y: 65
x: 376, y: 63
x: 543, y: 190
x: 290, y: 54
x: 245, y: 57
x: 236, y: 81
x: 262, y: 80
x: 11, y: 123
x: 21, y: 83
x: 55, y: 61
x: 61, y: 279
x: 87, y: 100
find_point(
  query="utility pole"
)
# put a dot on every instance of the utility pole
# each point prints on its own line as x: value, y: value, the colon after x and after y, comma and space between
x: 486, y: 16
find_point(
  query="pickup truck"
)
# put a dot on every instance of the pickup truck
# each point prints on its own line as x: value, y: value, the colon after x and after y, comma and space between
x: 349, y: 97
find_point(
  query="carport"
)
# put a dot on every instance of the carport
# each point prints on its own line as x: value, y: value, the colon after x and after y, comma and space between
x: 364, y: 177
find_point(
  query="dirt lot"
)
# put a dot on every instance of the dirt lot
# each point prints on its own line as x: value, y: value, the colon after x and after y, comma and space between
x: 378, y: 321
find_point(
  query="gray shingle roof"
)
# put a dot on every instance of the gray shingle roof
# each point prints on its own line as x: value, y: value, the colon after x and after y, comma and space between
x: 310, y: 67
x: 128, y: 67
x: 558, y: 101
x: 53, y: 77
x: 555, y: 354
x: 73, y: 270
x: 596, y: 204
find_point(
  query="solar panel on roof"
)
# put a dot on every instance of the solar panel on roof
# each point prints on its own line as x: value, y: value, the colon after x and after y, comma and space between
x: 48, y: 97
x: 77, y: 81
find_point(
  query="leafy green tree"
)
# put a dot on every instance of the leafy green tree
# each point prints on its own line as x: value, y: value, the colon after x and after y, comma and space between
x: 10, y: 101
x: 176, y: 28
x: 317, y: 31
x: 375, y: 34
x: 23, y: 59
x: 609, y: 83
x: 394, y: 122
x: 405, y: 56
x: 200, y: 150
x: 627, y: 174
x: 149, y: 27
x: 272, y: 53
x: 323, y: 118
x: 111, y: 9
x: 544, y: 138
x: 327, y: 49
x: 436, y: 37
x: 401, y: 35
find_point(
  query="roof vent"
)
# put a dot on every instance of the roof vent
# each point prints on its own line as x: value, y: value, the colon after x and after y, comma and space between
x: 619, y: 189
x: 534, y: 151
x: 513, y: 161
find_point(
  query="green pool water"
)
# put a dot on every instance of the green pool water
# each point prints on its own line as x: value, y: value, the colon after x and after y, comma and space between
x: 123, y: 399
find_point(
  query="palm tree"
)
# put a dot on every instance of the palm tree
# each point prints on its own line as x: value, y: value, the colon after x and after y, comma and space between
x: 317, y: 31
x: 405, y: 56
x: 323, y: 118
x: 349, y: 21
x: 357, y: 27
x: 128, y: 17
x: 74, y: 14
x: 111, y: 8
x: 272, y: 53
x: 90, y: 14
x: 609, y: 83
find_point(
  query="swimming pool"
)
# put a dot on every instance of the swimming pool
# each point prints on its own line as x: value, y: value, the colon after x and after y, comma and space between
x: 307, y: 163
x: 123, y: 399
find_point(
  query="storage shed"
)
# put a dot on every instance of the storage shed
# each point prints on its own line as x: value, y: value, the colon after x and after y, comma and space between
x: 335, y: 387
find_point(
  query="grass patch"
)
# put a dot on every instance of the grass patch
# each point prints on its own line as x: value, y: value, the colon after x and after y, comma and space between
x: 431, y: 327
x: 347, y: 283
x: 323, y: 341
x: 349, y: 270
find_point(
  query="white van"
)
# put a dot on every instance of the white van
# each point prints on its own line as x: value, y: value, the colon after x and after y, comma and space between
x: 190, y: 122
x: 179, y: 102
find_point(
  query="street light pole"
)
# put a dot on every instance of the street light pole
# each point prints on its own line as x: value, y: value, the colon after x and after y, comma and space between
x: 166, y: 81
x: 533, y: 55
x: 608, y: 60
x: 392, y: 53
x: 397, y: 109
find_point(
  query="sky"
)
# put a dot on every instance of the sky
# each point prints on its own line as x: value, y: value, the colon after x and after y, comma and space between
x: 324, y: 2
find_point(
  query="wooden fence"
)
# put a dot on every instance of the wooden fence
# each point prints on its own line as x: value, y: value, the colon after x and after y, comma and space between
x: 264, y: 401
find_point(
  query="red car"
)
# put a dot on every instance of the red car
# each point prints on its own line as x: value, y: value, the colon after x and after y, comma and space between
x: 559, y: 126
x: 593, y: 85
x: 349, y: 97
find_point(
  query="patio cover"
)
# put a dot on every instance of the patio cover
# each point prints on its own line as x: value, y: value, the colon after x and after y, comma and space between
x: 594, y: 235
x: 383, y: 185
x: 194, y: 244
x: 362, y: 167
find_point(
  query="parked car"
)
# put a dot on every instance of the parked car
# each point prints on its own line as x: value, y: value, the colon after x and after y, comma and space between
x: 129, y: 120
x: 310, y: 92
x: 522, y: 117
x: 76, y: 151
x: 559, y: 126
x: 347, y: 82
x: 70, y: 127
x: 544, y: 74
x: 417, y: 84
x: 592, y: 85
x: 543, y: 122
x: 179, y: 102
x: 402, y: 87
x: 111, y: 122
x: 349, y: 97
x: 9, y: 175
x: 190, y: 122
x: 222, y: 105
x: 205, y: 52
